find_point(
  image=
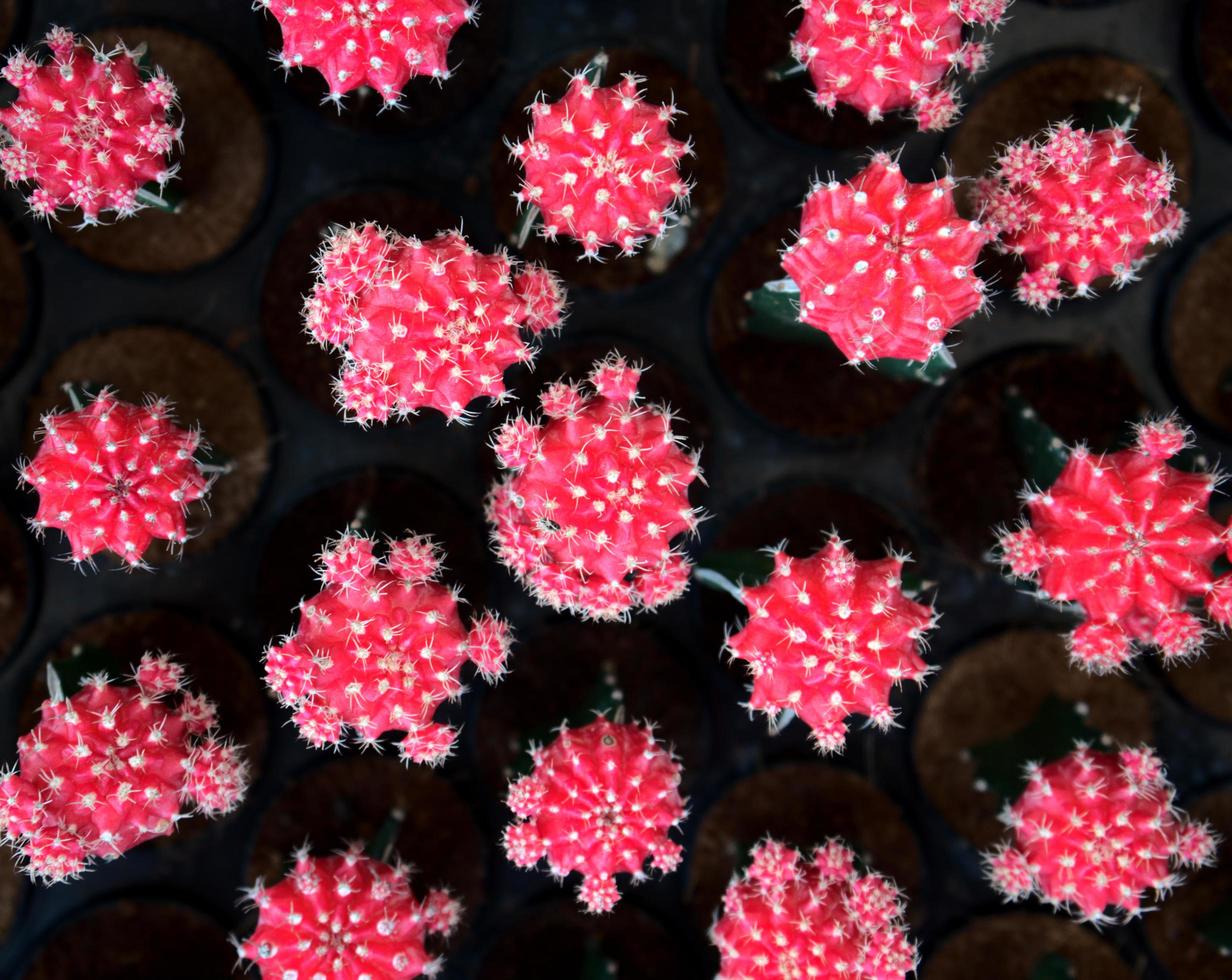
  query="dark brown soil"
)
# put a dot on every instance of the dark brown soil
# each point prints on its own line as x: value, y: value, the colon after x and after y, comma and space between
x: 205, y: 386
x: 558, y: 671
x: 1215, y: 53
x: 757, y: 37
x: 136, y: 938
x: 8, y: 20
x: 1022, y: 103
x: 1200, y: 334
x: 476, y: 58
x: 1174, y: 931
x: 303, y: 364
x: 560, y: 940
x: 395, y: 503
x: 971, y: 474
x: 697, y: 121
x: 805, y: 387
x: 15, y: 311
x: 993, y: 690
x: 802, y: 804
x: 1206, y: 682
x: 13, y: 885
x: 223, y: 172
x: 1010, y: 946
x: 350, y: 799
x: 15, y: 585
x: 213, y: 664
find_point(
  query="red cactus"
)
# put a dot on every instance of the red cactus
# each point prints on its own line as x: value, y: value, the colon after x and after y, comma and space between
x: 380, y: 648
x: 347, y: 916
x: 600, y: 800
x: 114, y: 766
x: 598, y: 493
x: 601, y: 166
x: 884, y: 266
x: 113, y: 476
x: 89, y: 129
x: 1078, y: 205
x: 786, y: 917
x: 381, y: 44
x: 424, y: 324
x: 1128, y: 538
x: 882, y: 56
x: 830, y: 636
x: 1095, y: 831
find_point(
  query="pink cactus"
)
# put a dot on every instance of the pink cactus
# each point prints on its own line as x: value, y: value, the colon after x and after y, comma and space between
x: 114, y: 766
x: 786, y: 917
x: 1128, y: 538
x: 598, y: 493
x: 600, y: 800
x: 1076, y: 206
x: 601, y: 166
x: 113, y: 476
x: 830, y: 636
x: 883, y: 56
x: 884, y: 266
x: 380, y: 648
x: 89, y: 129
x: 380, y: 44
x: 347, y: 916
x: 1095, y: 831
x: 424, y: 324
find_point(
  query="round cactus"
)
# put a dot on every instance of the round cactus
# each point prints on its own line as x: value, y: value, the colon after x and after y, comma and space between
x: 597, y: 494
x: 883, y: 56
x: 830, y: 636
x: 347, y: 916
x: 1095, y: 831
x: 1128, y: 538
x: 601, y: 166
x: 786, y: 917
x: 1076, y: 206
x: 380, y: 44
x: 380, y: 648
x: 89, y: 129
x: 424, y: 324
x: 600, y: 801
x: 114, y: 766
x: 113, y: 476
x: 885, y: 266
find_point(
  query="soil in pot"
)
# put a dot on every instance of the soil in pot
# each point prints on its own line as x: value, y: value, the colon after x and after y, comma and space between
x: 1206, y: 681
x: 1199, y: 335
x: 15, y: 287
x: 1215, y: 53
x: 16, y: 586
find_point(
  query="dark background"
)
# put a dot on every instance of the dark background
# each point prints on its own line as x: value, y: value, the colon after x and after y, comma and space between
x: 793, y: 443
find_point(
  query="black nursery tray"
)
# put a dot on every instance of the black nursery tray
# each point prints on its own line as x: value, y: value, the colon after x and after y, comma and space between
x: 203, y: 307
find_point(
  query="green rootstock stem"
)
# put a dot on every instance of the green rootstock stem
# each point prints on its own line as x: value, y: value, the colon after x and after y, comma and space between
x: 596, y: 966
x: 604, y: 698
x: 787, y: 68
x: 1120, y: 111
x: 66, y: 677
x: 1040, y: 450
x: 1050, y: 735
x: 163, y: 198
x: 594, y: 69
x: 1216, y: 927
x: 728, y: 571
x: 774, y: 313
x: 381, y: 847
x: 525, y: 225
x: 1052, y: 966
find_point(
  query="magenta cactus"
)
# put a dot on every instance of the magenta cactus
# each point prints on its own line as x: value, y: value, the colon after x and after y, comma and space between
x: 1078, y: 206
x: 380, y: 648
x: 113, y: 476
x: 424, y: 324
x: 1127, y: 538
x: 1093, y: 832
x: 380, y: 44
x: 114, y: 766
x: 882, y: 56
x: 600, y: 800
x: 785, y: 916
x: 597, y: 494
x: 89, y: 129
x: 601, y: 166
x: 347, y: 916
x: 884, y: 266
x: 830, y: 636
